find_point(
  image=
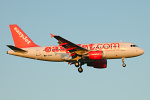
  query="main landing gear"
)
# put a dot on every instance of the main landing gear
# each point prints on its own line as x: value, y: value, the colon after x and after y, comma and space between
x: 80, y: 70
x: 77, y: 64
x: 124, y: 65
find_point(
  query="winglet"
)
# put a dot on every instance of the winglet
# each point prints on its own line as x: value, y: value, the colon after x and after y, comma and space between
x: 52, y: 35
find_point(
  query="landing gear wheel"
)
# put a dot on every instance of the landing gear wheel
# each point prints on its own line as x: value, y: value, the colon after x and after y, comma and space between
x: 77, y: 64
x: 124, y: 65
x: 80, y: 69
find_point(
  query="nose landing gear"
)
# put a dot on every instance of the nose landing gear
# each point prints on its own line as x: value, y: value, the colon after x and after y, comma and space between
x: 124, y: 65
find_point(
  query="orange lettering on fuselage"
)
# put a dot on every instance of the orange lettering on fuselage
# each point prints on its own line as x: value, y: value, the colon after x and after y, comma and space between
x: 106, y: 46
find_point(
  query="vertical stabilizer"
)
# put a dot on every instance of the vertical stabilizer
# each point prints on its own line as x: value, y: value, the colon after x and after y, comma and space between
x: 21, y: 40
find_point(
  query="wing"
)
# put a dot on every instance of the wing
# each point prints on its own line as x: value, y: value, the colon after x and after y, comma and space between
x: 74, y: 49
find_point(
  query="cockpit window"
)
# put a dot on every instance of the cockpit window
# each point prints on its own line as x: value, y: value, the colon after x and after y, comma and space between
x: 134, y: 46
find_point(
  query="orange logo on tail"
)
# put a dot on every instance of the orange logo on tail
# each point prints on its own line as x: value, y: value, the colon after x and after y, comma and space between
x: 25, y: 38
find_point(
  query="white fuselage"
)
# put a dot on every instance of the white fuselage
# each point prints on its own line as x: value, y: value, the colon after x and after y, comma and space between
x: 58, y: 53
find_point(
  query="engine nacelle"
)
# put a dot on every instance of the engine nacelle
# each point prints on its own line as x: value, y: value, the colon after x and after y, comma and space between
x: 96, y: 55
x: 98, y: 64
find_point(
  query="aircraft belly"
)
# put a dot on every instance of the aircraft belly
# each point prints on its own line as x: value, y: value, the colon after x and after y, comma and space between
x: 114, y: 54
x: 120, y: 54
x: 55, y: 56
x: 110, y: 54
x: 29, y: 54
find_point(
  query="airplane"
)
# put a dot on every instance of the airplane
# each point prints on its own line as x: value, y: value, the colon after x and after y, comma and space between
x: 94, y: 55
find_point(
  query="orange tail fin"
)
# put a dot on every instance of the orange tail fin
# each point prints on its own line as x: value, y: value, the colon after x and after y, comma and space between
x: 21, y: 40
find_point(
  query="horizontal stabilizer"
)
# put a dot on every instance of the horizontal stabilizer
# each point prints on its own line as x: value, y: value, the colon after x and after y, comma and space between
x: 16, y: 49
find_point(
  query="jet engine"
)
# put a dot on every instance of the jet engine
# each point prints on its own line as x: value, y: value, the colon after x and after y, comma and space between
x: 98, y: 64
x: 96, y: 55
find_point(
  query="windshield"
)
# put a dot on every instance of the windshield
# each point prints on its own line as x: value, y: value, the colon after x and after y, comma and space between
x: 134, y: 46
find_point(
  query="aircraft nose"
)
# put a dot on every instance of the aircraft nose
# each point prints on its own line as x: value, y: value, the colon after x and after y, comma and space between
x: 141, y: 51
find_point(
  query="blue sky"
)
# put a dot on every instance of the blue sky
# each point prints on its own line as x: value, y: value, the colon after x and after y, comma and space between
x: 80, y: 21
